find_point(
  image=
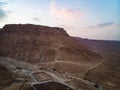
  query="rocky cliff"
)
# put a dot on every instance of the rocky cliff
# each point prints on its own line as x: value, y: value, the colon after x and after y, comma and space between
x: 33, y: 29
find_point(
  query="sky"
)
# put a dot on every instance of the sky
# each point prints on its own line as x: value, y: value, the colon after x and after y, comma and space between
x: 93, y: 19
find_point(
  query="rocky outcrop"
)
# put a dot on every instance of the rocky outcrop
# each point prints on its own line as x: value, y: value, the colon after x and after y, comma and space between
x: 33, y: 29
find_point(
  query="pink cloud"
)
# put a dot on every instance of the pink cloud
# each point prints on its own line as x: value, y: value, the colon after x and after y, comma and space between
x: 65, y: 13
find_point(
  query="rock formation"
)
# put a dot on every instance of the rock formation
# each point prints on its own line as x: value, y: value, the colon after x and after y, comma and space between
x: 41, y: 45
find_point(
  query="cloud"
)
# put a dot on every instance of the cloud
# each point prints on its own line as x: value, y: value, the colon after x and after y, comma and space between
x: 100, y: 25
x: 36, y: 19
x: 7, y: 1
x: 64, y: 13
x: 2, y: 3
x: 105, y: 24
x: 3, y: 13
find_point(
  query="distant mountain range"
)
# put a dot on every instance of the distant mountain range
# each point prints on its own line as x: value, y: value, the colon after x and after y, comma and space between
x: 110, y: 47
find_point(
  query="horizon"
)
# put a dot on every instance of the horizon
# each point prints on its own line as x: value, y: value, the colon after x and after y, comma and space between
x: 93, y: 19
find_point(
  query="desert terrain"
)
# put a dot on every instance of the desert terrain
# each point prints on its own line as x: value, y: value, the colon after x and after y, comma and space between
x: 36, y: 57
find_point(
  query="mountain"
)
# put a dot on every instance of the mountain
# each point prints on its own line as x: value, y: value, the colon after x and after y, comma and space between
x: 34, y: 54
x: 38, y: 44
x: 107, y: 47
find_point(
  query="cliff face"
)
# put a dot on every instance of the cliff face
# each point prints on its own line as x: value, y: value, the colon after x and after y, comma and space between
x: 33, y: 29
x: 40, y: 45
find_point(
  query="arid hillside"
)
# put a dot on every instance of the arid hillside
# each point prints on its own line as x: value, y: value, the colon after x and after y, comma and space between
x: 6, y: 76
x: 104, y: 47
x: 34, y: 54
x: 46, y: 47
x: 108, y: 73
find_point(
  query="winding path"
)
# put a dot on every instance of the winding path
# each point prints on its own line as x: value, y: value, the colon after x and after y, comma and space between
x: 61, y: 80
x: 13, y: 64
